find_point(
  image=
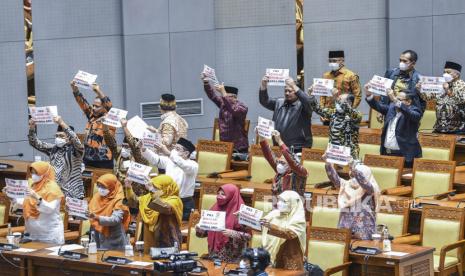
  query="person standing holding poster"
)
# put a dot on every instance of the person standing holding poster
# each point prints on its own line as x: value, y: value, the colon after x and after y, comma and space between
x: 344, y: 122
x: 65, y: 156
x: 41, y: 208
x: 228, y: 244
x: 292, y: 114
x: 290, y: 174
x: 357, y: 199
x: 172, y: 126
x: 450, y: 105
x: 345, y: 82
x: 109, y: 217
x: 96, y: 154
x: 401, y: 124
x: 233, y: 113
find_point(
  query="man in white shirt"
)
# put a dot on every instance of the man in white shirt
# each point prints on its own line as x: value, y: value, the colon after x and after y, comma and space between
x: 177, y: 164
x: 400, y: 130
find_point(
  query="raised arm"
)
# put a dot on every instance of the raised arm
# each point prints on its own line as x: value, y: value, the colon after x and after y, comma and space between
x: 332, y: 175
x: 106, y: 102
x: 263, y: 97
x: 268, y: 154
x: 238, y: 109
x: 293, y: 164
x: 82, y: 102
x: 211, y: 94
x: 362, y: 181
x: 73, y: 138
x: 281, y: 232
x: 35, y: 142
x: 154, y: 159
x: 379, y: 106
x: 110, y: 141
x: 160, y: 206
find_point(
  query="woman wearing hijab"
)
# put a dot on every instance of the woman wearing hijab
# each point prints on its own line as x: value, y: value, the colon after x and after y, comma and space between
x: 41, y: 208
x: 161, y: 212
x: 284, y: 232
x: 229, y: 243
x: 357, y: 199
x: 109, y: 217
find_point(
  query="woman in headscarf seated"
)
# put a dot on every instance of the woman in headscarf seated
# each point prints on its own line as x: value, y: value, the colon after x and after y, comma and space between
x: 284, y: 232
x: 357, y: 199
x: 228, y: 244
x: 109, y: 217
x: 161, y: 212
x: 41, y: 206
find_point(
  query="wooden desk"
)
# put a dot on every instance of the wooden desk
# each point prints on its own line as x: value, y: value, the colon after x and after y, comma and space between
x: 419, y: 261
x: 19, y: 170
x: 17, y: 261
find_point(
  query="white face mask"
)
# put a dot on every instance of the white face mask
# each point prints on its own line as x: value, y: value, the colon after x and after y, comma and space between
x: 339, y: 108
x: 103, y: 192
x: 281, y: 168
x: 448, y: 77
x: 60, y: 142
x: 403, y: 66
x: 243, y: 264
x: 125, y: 153
x: 283, y: 207
x: 333, y: 66
x: 36, y: 178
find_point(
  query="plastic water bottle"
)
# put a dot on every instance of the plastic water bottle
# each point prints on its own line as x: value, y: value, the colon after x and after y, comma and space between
x: 128, y: 250
x: 92, y: 244
x: 386, y: 241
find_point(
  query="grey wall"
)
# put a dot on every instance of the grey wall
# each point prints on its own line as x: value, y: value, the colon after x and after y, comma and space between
x: 143, y: 48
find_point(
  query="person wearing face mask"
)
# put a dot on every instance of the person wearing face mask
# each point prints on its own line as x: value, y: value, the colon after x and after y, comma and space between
x: 255, y: 261
x: 232, y: 115
x: 109, y: 217
x: 41, y: 206
x: 96, y: 154
x: 399, y: 136
x: 161, y: 212
x: 290, y: 174
x: 65, y: 156
x: 405, y: 78
x: 450, y: 105
x: 172, y: 126
x: 228, y: 244
x: 284, y: 232
x: 345, y: 82
x: 292, y: 114
x: 357, y: 199
x: 344, y: 122
x: 177, y: 164
x: 124, y: 154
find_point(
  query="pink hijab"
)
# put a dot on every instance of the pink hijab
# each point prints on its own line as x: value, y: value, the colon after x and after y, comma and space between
x: 230, y: 205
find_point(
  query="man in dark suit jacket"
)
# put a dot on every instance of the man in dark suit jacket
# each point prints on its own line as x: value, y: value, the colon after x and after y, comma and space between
x: 400, y: 130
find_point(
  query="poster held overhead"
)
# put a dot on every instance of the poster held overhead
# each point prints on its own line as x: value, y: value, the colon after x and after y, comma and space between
x: 84, y: 80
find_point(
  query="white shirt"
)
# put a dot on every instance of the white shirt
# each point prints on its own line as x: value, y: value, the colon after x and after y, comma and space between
x: 390, y: 141
x: 48, y: 227
x: 184, y: 172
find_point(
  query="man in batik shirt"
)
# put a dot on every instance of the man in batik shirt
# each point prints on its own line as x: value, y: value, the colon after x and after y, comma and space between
x: 449, y: 105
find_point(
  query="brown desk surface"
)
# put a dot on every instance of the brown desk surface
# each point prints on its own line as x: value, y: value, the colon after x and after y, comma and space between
x: 19, y: 167
x: 413, y: 250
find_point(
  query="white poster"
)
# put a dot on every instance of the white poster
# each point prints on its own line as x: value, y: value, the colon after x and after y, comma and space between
x: 150, y: 139
x: 338, y: 154
x: 210, y: 73
x: 114, y: 116
x: 43, y: 115
x: 77, y: 207
x: 322, y: 87
x: 432, y: 85
x: 277, y: 77
x: 249, y: 216
x: 138, y: 173
x: 16, y: 188
x: 265, y: 127
x: 212, y: 220
x: 137, y: 127
x: 84, y: 80
x: 379, y: 85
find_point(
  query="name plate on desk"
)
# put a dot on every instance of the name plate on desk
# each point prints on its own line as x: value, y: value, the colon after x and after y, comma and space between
x: 5, y: 166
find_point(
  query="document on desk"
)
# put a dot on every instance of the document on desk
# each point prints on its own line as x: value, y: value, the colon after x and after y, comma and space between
x: 65, y: 247
x: 396, y: 253
x: 24, y: 250
x: 138, y: 263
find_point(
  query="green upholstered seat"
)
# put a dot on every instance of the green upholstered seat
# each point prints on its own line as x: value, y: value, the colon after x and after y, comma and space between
x: 373, y: 121
x: 438, y: 233
x: 208, y: 200
x: 394, y: 222
x: 210, y: 162
x: 196, y: 244
x: 430, y: 183
x: 260, y: 169
x: 435, y: 153
x: 427, y: 121
x: 256, y: 240
x: 325, y: 217
x: 264, y: 206
x: 316, y: 172
x: 368, y: 149
x: 326, y: 254
x: 320, y: 142
x: 385, y: 177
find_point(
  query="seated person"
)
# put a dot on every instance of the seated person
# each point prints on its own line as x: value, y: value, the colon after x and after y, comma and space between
x: 109, y: 217
x: 290, y: 174
x: 357, y: 199
x: 255, y: 261
x: 228, y: 244
x: 41, y: 207
x: 284, y: 232
x: 161, y: 212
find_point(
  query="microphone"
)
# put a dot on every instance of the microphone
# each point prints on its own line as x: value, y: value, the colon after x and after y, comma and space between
x: 12, y: 155
x: 419, y: 205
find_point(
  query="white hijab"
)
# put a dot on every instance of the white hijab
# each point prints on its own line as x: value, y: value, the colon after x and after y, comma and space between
x: 351, y: 192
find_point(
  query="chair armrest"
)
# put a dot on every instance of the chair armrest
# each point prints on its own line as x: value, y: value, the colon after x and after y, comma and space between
x: 407, y: 239
x: 447, y: 248
x: 443, y: 195
x: 323, y: 184
x: 4, y: 225
x: 234, y: 175
x: 365, y: 123
x: 458, y: 197
x: 336, y: 269
x: 398, y: 191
